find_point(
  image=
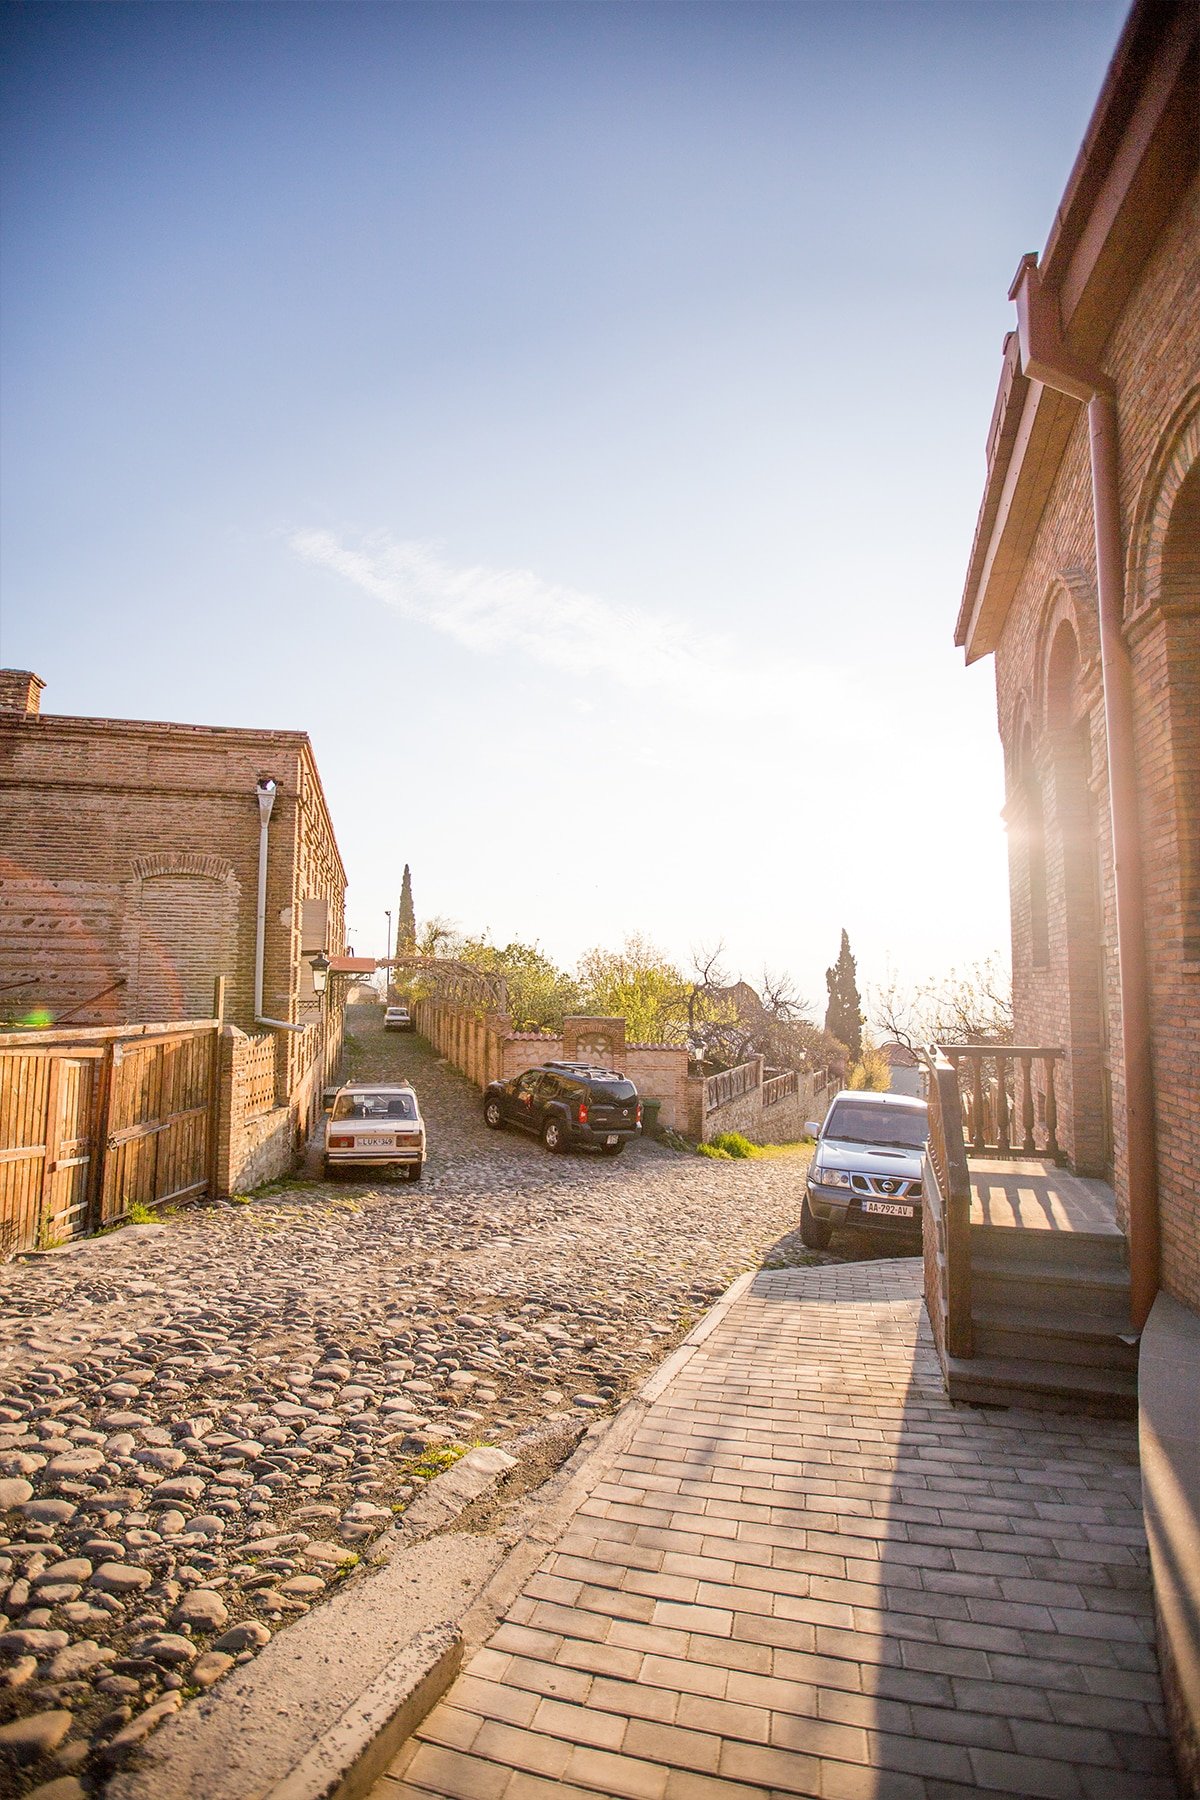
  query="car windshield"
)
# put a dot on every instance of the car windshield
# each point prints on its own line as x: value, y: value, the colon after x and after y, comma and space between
x: 855, y: 1122
x: 374, y: 1106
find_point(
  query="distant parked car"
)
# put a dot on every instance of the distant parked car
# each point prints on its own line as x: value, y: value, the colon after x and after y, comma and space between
x: 375, y: 1126
x: 866, y: 1168
x: 567, y: 1104
x: 397, y: 1018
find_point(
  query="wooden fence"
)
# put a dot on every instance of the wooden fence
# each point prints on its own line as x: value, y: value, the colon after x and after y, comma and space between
x: 730, y: 1084
x: 779, y: 1087
x: 96, y: 1121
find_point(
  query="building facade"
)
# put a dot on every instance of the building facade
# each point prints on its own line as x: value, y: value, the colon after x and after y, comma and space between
x: 1084, y: 585
x: 129, y: 873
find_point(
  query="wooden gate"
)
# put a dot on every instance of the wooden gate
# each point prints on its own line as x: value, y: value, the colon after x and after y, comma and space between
x: 95, y: 1121
x: 159, y: 1121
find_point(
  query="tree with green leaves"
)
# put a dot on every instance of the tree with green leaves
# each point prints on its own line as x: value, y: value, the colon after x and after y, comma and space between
x: 406, y: 918
x: 639, y: 984
x: 844, y: 1014
x: 540, y: 995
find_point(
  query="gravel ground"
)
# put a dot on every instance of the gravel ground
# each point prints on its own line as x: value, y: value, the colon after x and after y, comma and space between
x: 205, y: 1421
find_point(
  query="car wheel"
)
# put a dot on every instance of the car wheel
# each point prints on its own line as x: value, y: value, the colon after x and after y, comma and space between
x: 414, y: 1171
x: 814, y: 1232
x: 492, y: 1116
x: 553, y: 1135
x: 330, y: 1171
x: 612, y: 1149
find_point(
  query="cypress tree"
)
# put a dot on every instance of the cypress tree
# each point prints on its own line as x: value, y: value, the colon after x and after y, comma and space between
x: 843, y: 1015
x: 406, y: 919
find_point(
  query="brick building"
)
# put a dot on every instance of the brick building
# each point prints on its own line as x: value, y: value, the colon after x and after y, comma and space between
x: 129, y: 874
x: 1084, y: 584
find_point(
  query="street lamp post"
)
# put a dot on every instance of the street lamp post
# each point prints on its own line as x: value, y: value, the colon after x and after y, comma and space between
x: 387, y: 951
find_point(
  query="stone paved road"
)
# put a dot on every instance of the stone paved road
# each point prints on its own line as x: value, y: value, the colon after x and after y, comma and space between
x: 810, y: 1574
x: 200, y: 1420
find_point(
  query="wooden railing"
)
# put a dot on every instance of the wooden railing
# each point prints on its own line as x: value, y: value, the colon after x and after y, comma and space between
x: 779, y: 1087
x: 996, y: 1086
x: 729, y: 1084
x: 947, y: 1205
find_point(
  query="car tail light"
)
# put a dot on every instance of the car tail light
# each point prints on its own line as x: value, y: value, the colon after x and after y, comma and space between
x: 341, y: 1143
x: 639, y: 1112
x: 583, y: 1112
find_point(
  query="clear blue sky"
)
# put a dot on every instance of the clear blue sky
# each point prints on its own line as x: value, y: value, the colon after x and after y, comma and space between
x: 571, y: 415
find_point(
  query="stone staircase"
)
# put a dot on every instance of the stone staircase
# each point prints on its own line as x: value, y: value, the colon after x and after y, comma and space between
x: 1050, y: 1311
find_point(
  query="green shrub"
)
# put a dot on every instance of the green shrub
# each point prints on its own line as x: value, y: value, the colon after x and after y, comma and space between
x: 714, y: 1151
x: 872, y: 1073
x: 735, y: 1144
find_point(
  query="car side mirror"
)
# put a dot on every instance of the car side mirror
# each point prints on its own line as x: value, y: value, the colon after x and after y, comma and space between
x: 812, y: 1129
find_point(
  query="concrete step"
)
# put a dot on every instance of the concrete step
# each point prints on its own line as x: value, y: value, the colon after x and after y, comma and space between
x: 1052, y: 1292
x: 1024, y: 1247
x: 1052, y: 1386
x: 1092, y: 1339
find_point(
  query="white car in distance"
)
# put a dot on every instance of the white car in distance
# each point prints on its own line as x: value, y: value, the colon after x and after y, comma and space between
x: 375, y: 1125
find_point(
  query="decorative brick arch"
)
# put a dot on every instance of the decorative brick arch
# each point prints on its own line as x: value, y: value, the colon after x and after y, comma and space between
x: 182, y: 930
x: 1070, y: 600
x: 1178, y: 455
x: 206, y: 868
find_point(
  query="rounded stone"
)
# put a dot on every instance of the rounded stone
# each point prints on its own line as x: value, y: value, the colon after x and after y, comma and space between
x: 14, y: 1491
x: 79, y: 1659
x: 167, y: 1647
x: 202, y: 1609
x: 249, y: 1635
x: 32, y: 1640
x: 66, y: 1787
x: 209, y: 1668
x: 49, y: 1512
x: 120, y: 1578
x: 75, y: 1568
x: 75, y: 1463
x: 37, y: 1735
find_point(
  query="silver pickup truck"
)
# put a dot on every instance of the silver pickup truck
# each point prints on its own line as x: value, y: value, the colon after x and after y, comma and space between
x: 866, y: 1168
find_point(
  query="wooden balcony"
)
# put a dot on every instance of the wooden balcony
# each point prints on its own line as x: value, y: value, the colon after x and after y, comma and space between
x: 1026, y: 1273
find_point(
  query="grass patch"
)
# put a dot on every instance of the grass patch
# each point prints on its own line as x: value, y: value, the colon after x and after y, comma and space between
x: 283, y: 1184
x: 436, y: 1459
x: 731, y: 1146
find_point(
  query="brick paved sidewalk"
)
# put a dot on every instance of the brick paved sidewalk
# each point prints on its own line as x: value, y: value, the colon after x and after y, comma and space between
x: 809, y: 1573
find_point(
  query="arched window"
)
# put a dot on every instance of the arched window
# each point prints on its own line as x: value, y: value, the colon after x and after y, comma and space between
x: 1180, y: 595
x: 1035, y: 851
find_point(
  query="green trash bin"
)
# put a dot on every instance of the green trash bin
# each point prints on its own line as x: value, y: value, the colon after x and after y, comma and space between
x: 650, y: 1112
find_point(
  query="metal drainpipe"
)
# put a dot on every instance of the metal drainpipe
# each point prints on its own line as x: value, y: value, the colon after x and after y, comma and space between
x: 1045, y: 358
x: 265, y: 791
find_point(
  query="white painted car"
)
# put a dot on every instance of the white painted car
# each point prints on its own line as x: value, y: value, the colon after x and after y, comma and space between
x: 375, y: 1125
x: 397, y: 1018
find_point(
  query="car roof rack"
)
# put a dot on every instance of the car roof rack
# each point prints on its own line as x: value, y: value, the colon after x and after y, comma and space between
x: 576, y: 1068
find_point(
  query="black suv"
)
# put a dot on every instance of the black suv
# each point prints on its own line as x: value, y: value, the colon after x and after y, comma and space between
x: 567, y: 1104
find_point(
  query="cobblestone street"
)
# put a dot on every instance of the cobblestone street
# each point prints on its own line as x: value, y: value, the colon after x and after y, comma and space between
x: 204, y: 1421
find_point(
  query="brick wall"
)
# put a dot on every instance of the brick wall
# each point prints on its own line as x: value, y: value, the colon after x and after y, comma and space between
x: 129, y: 872
x: 485, y: 1048
x: 264, y: 1125
x: 1071, y: 995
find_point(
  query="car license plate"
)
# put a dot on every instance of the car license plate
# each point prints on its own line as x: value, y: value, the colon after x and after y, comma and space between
x: 611, y: 1138
x: 889, y: 1207
x: 377, y: 1143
